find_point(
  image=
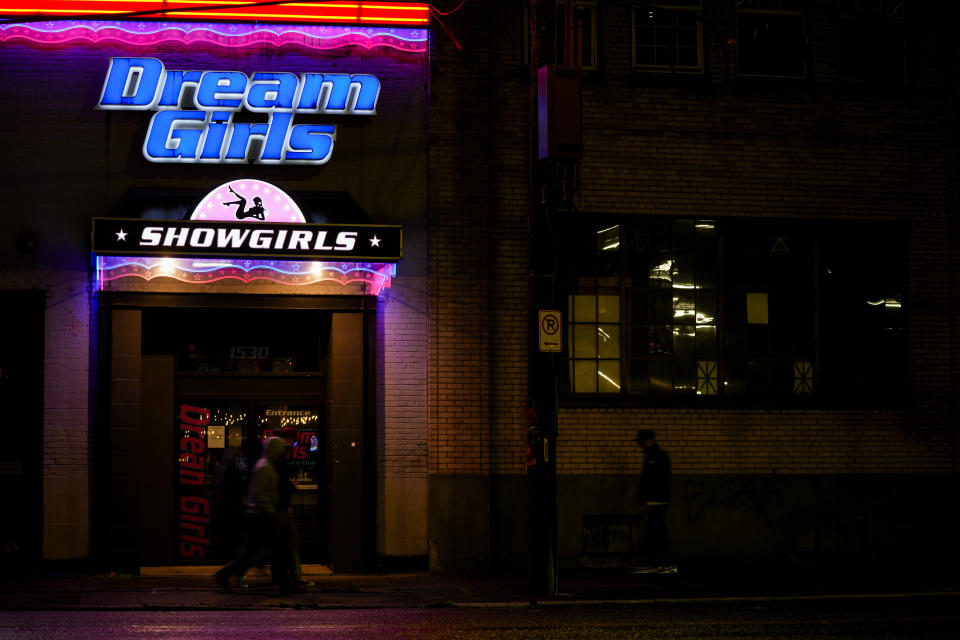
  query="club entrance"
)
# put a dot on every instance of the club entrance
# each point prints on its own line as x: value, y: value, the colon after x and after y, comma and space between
x: 217, y: 377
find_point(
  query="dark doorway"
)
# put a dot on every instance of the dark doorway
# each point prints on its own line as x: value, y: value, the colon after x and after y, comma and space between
x: 239, y: 376
x: 21, y: 457
x: 243, y: 365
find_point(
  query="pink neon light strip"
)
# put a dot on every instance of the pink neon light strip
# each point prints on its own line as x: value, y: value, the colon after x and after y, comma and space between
x: 337, y: 12
x: 149, y: 34
x: 205, y: 271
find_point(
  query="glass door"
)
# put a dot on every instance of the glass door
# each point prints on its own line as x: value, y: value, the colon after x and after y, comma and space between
x: 303, y: 468
x: 218, y: 443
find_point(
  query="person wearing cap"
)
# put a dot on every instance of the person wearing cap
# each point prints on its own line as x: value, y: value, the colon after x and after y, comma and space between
x: 655, y: 493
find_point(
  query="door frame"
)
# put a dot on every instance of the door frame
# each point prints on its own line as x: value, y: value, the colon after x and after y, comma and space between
x: 118, y: 422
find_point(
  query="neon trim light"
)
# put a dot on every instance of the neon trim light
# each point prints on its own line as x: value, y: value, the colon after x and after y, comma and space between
x: 367, y: 13
x: 376, y: 276
x: 232, y: 35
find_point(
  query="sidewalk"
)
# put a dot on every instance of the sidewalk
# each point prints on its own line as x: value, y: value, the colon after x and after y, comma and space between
x: 579, y: 587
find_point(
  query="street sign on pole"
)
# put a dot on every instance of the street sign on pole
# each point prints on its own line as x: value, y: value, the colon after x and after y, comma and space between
x: 550, y: 329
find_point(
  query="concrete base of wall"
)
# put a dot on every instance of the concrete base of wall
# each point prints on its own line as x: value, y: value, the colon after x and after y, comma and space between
x: 482, y: 521
x: 478, y: 521
x: 761, y: 518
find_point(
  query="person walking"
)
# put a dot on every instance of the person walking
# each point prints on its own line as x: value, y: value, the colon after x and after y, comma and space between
x: 264, y: 522
x: 655, y: 493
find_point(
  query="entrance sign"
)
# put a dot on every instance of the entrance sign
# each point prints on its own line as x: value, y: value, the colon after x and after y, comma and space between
x: 551, y: 336
x: 207, y: 132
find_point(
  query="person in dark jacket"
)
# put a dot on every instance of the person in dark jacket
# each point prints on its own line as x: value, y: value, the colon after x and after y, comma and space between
x: 655, y: 487
x: 264, y: 522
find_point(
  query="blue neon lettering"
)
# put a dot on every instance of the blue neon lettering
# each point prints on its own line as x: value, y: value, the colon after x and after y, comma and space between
x: 216, y: 132
x: 174, y: 85
x: 365, y: 100
x: 166, y: 142
x: 311, y: 143
x: 312, y: 87
x: 221, y: 90
x: 204, y: 131
x: 339, y: 93
x: 240, y: 141
x: 270, y: 91
x: 131, y: 83
x: 272, y: 150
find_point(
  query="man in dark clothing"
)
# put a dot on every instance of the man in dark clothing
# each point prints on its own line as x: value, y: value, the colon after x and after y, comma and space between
x: 655, y: 481
x: 264, y: 522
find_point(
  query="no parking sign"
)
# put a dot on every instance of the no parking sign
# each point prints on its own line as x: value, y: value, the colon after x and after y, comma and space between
x: 550, y: 329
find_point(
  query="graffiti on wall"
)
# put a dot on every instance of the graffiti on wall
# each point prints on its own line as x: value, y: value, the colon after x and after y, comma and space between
x: 755, y: 493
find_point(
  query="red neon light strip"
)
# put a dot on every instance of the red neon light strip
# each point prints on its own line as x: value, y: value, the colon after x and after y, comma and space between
x: 382, y: 13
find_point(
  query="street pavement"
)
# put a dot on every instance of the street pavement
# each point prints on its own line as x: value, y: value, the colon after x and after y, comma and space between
x: 180, y: 589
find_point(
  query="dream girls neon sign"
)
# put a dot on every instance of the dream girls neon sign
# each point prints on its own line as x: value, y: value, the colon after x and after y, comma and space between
x: 208, y: 133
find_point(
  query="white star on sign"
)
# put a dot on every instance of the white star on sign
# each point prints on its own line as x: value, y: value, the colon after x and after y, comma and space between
x: 121, y: 235
x: 375, y: 241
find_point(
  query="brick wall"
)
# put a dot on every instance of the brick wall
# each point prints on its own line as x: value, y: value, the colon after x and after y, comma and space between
x: 402, y: 405
x: 66, y: 406
x: 479, y: 265
x: 460, y: 225
x: 807, y: 149
x: 716, y: 146
x: 602, y: 441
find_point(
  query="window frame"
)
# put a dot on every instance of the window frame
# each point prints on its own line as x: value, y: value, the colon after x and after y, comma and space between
x: 675, y: 7
x: 804, y: 57
x: 800, y: 364
x: 887, y: 21
x: 592, y: 7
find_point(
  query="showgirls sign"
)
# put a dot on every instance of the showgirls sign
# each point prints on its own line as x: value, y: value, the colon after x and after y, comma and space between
x: 220, y: 226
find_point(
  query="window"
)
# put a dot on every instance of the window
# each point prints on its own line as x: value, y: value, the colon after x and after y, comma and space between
x: 771, y: 40
x: 761, y: 310
x: 769, y: 310
x: 871, y: 41
x: 864, y: 327
x: 594, y: 313
x: 668, y: 37
x: 577, y: 33
x: 672, y: 282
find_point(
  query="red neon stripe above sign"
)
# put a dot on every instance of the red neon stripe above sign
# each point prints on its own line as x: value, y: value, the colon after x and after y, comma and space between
x: 382, y: 13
